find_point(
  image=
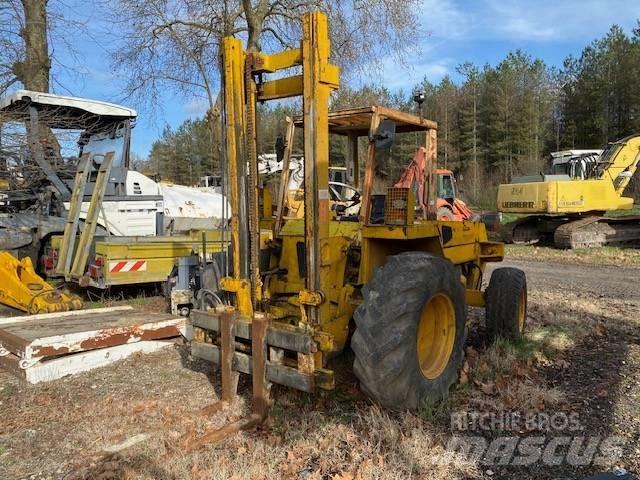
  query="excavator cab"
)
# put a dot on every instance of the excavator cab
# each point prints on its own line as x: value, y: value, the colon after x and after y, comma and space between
x: 446, y: 185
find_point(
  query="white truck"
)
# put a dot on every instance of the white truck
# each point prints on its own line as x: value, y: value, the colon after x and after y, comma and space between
x: 37, y: 133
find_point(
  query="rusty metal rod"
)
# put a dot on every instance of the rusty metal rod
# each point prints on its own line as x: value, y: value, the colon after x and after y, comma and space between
x: 214, y: 436
x: 227, y: 341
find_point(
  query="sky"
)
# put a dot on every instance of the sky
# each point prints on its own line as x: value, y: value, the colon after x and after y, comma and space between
x: 450, y: 33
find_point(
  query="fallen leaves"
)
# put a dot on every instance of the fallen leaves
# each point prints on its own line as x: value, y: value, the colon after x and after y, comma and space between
x: 488, y: 388
x: 600, y: 329
x: 343, y: 476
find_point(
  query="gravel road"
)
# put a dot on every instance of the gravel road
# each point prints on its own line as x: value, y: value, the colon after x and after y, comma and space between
x: 619, y: 283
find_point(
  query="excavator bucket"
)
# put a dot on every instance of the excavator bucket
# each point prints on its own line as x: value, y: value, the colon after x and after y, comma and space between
x: 22, y: 288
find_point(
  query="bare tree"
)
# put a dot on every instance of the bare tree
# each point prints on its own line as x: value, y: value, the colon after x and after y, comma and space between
x: 27, y: 30
x: 174, y: 44
x: 24, y: 52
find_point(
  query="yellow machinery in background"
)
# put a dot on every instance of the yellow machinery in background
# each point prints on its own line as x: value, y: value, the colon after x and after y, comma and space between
x: 22, y: 288
x: 401, y: 285
x: 570, y: 209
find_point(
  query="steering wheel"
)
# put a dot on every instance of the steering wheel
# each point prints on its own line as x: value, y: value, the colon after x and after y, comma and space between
x: 336, y: 197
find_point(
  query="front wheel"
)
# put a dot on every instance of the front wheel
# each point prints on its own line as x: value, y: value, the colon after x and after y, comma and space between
x: 410, y: 331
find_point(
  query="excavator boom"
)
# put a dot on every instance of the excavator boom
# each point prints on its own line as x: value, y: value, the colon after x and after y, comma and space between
x: 619, y: 162
x: 23, y: 289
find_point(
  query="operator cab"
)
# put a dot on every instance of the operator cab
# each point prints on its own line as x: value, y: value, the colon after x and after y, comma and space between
x: 576, y: 164
x: 366, y: 199
x: 446, y: 185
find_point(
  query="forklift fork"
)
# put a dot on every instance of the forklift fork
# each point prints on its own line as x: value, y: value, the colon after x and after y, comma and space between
x: 261, y: 387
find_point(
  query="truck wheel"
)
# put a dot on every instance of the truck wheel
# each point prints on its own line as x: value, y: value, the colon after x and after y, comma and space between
x: 445, y: 214
x: 506, y: 303
x: 410, y: 331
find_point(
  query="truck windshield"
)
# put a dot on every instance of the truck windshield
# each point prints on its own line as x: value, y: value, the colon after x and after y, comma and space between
x: 100, y: 143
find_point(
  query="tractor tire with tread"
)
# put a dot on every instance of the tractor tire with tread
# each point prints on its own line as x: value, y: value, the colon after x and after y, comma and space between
x: 506, y: 303
x: 389, y: 321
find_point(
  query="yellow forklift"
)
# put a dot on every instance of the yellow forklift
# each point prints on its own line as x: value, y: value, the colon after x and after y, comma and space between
x: 295, y: 285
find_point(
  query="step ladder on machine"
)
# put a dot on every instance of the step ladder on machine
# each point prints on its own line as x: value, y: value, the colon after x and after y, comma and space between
x: 72, y: 259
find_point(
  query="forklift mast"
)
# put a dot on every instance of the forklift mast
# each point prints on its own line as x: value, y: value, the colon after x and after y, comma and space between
x: 244, y: 85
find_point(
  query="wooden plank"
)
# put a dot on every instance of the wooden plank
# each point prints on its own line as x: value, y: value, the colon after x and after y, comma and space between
x: 369, y: 171
x: 67, y: 325
x: 359, y: 119
x: 53, y: 369
x: 430, y: 173
x: 71, y: 313
x: 42, y: 338
x: 407, y: 118
x: 95, y: 339
x: 13, y: 343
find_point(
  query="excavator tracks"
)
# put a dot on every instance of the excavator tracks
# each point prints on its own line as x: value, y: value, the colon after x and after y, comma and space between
x: 531, y: 229
x: 522, y: 232
x: 598, y: 232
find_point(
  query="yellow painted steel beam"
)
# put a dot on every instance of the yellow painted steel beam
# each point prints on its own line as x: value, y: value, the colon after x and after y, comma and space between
x: 319, y: 79
x: 293, y: 86
x: 233, y: 59
x: 281, y: 88
x: 474, y: 298
x: 270, y: 63
x: 235, y: 141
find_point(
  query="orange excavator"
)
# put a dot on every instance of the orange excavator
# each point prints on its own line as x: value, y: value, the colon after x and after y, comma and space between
x: 450, y: 207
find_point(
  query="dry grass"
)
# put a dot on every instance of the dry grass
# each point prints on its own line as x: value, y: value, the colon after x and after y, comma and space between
x: 60, y: 430
x: 148, y: 299
x: 56, y: 434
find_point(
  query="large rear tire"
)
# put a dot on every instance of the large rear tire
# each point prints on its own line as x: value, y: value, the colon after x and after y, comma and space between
x: 410, y: 331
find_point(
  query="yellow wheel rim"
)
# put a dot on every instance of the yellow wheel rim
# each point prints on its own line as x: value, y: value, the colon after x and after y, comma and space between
x: 436, y: 335
x: 522, y: 309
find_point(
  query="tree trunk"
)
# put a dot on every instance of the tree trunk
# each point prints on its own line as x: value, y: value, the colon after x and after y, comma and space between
x: 255, y: 21
x: 33, y: 73
x: 475, y: 145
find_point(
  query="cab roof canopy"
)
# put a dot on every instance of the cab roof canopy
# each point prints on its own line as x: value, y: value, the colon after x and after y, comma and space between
x: 357, y: 121
x: 57, y: 111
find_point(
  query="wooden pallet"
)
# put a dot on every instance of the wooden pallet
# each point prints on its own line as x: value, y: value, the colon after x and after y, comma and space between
x: 49, y: 346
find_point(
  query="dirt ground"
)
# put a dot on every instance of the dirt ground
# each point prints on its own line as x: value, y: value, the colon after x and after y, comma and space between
x: 580, y: 360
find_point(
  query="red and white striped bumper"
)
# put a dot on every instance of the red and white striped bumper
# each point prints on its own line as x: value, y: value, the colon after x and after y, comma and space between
x: 128, y: 266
